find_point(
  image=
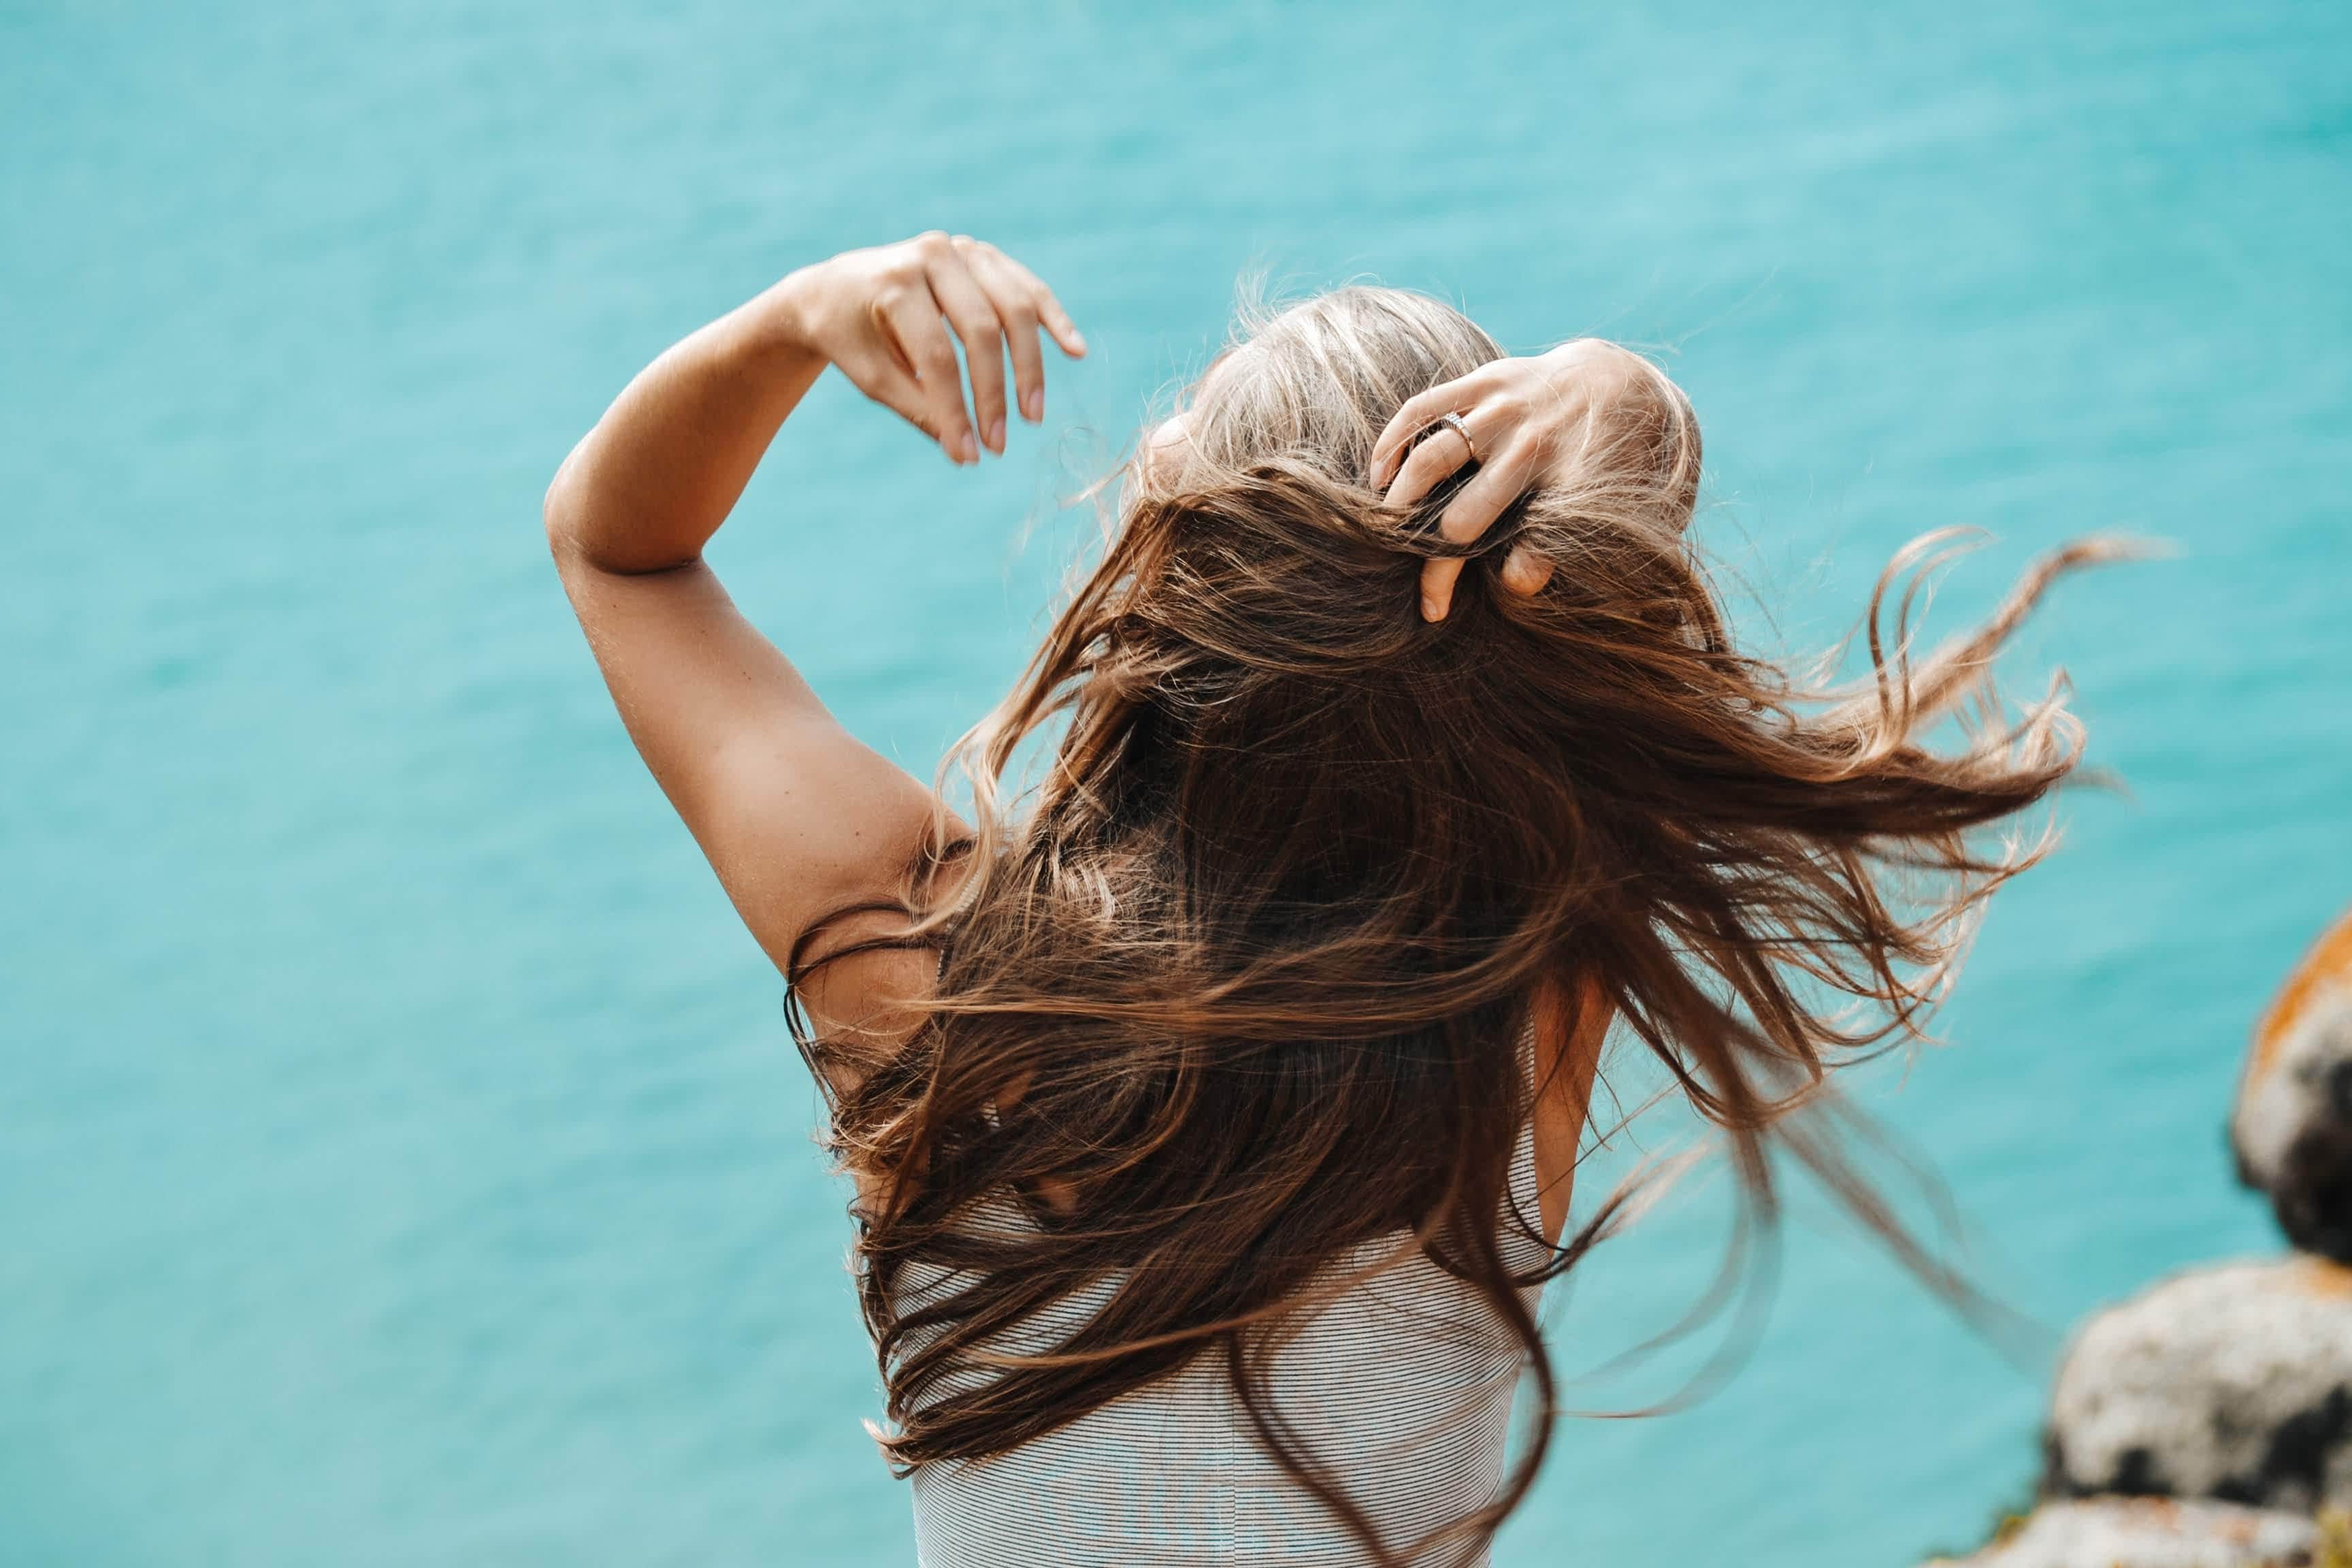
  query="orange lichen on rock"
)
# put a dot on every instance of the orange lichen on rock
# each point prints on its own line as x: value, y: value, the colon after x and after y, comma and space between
x: 2322, y: 1276
x: 2329, y: 959
x: 2291, y: 1129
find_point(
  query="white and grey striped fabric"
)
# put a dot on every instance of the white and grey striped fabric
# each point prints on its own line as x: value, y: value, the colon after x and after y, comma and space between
x: 1402, y: 1387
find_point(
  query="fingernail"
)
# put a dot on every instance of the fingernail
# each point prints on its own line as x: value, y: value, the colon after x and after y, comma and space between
x: 996, y: 436
x: 1033, y: 404
x: 1431, y: 610
x: 1077, y: 340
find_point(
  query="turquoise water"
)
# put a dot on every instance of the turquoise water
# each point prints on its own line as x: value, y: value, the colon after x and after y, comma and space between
x: 401, y: 1159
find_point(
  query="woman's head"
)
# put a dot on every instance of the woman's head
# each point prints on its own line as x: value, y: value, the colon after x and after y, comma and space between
x: 1247, y: 978
x: 1315, y: 382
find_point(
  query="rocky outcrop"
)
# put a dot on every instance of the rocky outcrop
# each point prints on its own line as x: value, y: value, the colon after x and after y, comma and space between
x: 2150, y: 1532
x: 2203, y: 1423
x: 2232, y: 1383
x: 2292, y: 1126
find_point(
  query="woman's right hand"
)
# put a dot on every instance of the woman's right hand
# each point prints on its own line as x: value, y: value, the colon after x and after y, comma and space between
x: 1526, y: 423
x: 884, y: 315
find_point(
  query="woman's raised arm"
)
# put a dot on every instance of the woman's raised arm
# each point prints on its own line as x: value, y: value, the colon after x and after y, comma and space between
x: 797, y: 817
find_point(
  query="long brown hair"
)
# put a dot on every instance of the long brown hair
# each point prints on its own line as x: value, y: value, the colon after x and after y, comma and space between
x: 1242, y: 980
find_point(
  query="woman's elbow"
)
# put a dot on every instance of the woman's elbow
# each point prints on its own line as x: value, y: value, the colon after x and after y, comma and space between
x: 558, y: 510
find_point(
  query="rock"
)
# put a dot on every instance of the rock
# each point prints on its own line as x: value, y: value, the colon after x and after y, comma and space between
x: 2232, y: 1383
x: 2292, y: 1127
x: 2150, y: 1532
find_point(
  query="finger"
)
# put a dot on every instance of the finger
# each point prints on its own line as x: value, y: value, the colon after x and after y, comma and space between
x: 1420, y: 411
x: 974, y: 319
x: 1058, y: 325
x: 1437, y: 580
x: 1495, y: 486
x: 1497, y: 483
x: 1015, y: 307
x: 1500, y: 481
x: 1526, y: 570
x: 889, y: 384
x: 1428, y: 463
x: 1066, y: 333
x: 911, y: 316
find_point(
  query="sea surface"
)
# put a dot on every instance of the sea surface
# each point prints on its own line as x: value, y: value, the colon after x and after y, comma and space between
x: 401, y: 1157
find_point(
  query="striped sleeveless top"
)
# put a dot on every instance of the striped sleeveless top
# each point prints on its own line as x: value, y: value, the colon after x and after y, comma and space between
x: 1400, y: 1387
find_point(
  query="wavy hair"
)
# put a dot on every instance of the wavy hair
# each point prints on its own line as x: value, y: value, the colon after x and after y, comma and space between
x: 1241, y: 981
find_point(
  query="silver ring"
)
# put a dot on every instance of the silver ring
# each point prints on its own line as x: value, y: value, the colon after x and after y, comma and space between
x: 1454, y: 422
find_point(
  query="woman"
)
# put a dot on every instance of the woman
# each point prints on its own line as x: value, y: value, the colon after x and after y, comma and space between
x: 1213, y: 1110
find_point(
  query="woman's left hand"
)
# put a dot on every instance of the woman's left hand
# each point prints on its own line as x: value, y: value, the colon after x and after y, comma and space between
x: 1517, y: 418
